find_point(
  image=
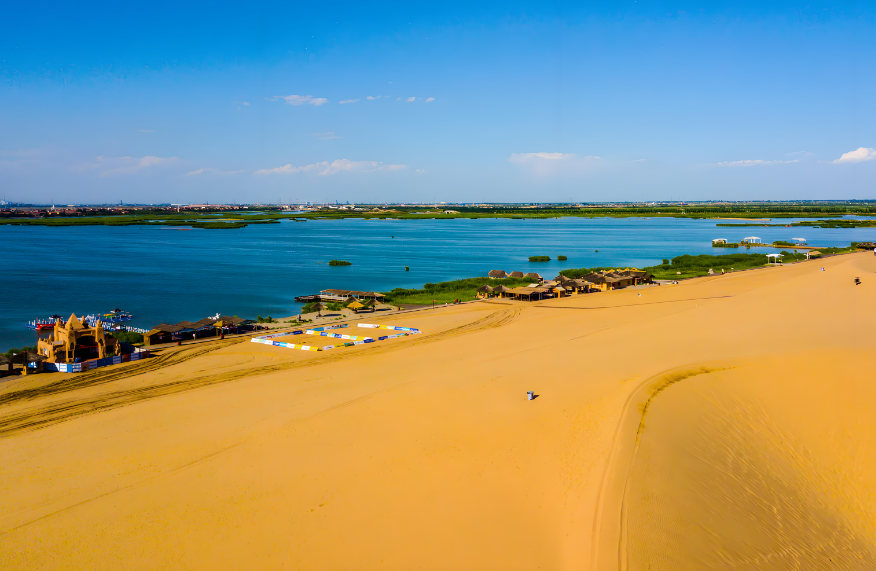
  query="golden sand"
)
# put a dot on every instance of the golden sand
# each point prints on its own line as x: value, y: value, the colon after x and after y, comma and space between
x: 722, y: 423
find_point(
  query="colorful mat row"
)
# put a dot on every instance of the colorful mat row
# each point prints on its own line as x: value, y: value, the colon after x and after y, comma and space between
x: 393, y: 327
x: 321, y: 331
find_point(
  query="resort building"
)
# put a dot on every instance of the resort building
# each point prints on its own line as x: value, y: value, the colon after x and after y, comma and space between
x: 207, y: 327
x: 76, y: 341
x: 719, y: 241
x: 618, y: 279
x: 497, y: 274
x: 345, y: 294
x: 516, y: 275
x: 751, y: 240
x: 535, y: 276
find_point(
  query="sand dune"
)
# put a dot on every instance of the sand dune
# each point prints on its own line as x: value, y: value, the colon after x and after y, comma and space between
x: 721, y: 423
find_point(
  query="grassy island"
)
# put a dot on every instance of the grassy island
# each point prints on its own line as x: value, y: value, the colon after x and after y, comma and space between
x: 340, y: 263
x: 539, y: 258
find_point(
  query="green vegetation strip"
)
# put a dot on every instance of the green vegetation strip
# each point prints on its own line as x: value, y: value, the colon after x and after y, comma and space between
x: 212, y: 220
x: 446, y: 292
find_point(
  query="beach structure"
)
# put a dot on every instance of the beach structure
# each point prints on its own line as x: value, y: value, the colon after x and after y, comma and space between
x: 516, y: 275
x: 774, y: 258
x: 501, y: 290
x: 497, y: 274
x: 76, y: 340
x: 800, y: 241
x: 6, y: 367
x: 356, y: 306
x: 577, y: 286
x: 751, y: 240
x: 812, y: 254
x: 207, y: 327
x: 719, y: 241
x: 534, y: 276
x: 345, y: 294
x: 618, y: 279
x: 484, y: 291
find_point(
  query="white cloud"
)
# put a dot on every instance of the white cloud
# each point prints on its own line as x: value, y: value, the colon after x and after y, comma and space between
x: 430, y: 99
x: 859, y: 155
x: 753, y: 163
x: 398, y: 98
x: 348, y: 101
x: 299, y: 99
x: 241, y: 102
x: 373, y: 97
x: 107, y: 166
x: 411, y: 99
x: 528, y: 157
x: 325, y: 168
x: 419, y: 170
x: 546, y: 164
x: 211, y: 171
x: 329, y: 135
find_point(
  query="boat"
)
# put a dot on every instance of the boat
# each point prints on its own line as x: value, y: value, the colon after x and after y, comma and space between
x: 44, y: 324
x: 116, y: 315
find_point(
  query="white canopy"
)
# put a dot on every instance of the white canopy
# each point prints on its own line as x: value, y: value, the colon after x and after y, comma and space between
x: 799, y: 239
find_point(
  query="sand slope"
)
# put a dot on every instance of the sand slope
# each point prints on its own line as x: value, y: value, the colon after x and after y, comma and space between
x: 754, y: 450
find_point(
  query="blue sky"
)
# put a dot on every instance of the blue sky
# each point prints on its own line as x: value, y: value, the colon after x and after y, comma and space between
x: 500, y: 102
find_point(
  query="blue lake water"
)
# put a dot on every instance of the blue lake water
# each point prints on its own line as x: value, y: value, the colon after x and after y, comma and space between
x: 169, y: 275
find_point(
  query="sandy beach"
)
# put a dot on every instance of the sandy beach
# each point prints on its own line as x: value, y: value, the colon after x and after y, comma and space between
x: 726, y: 422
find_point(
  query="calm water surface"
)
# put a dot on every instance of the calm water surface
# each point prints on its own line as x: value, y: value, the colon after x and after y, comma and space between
x: 168, y: 275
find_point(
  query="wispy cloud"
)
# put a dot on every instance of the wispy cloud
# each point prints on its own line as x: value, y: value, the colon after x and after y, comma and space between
x: 325, y: 168
x: 241, y: 103
x: 528, y: 157
x: 547, y: 164
x: 299, y: 99
x: 329, y: 135
x: 345, y: 101
x: 211, y: 171
x: 373, y: 97
x: 859, y: 155
x: 108, y: 166
x: 754, y: 163
x: 20, y: 157
x: 420, y: 170
x: 411, y: 99
x: 145, y: 130
x: 430, y: 99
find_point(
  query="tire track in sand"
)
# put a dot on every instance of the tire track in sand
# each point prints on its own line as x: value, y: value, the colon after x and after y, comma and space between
x: 99, y: 377
x: 41, y: 416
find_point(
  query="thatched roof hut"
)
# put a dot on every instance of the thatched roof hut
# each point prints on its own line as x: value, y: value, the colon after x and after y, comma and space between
x: 501, y: 289
x: 497, y: 274
x: 516, y: 274
x: 485, y: 289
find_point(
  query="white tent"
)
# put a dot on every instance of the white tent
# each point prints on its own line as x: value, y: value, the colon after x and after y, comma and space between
x: 774, y: 258
x: 752, y: 240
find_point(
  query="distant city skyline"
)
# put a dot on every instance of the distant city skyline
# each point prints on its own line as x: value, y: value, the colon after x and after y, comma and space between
x: 493, y: 103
